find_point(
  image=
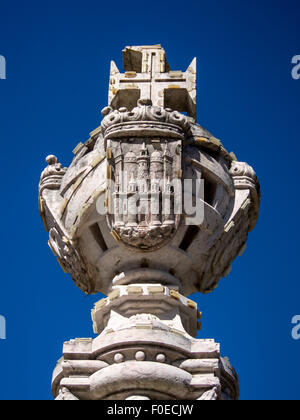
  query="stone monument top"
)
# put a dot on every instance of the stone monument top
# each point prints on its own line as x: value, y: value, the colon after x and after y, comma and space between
x: 152, y: 209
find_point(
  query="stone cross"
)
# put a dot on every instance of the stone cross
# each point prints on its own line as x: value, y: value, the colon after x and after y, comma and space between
x: 148, y: 76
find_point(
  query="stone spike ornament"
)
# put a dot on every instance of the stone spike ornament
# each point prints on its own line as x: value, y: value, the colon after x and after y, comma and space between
x: 152, y: 209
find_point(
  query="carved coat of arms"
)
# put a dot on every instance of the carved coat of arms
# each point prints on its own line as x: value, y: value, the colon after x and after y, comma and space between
x: 144, y: 173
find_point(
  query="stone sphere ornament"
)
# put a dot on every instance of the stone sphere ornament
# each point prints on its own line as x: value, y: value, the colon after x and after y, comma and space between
x: 119, y: 358
x: 140, y: 356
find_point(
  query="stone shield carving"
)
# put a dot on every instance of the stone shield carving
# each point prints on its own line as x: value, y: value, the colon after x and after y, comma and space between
x: 143, y: 174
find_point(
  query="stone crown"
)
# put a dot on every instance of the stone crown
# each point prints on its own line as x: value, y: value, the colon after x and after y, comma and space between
x: 143, y: 121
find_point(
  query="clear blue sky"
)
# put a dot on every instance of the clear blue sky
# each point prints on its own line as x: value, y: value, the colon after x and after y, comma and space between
x: 58, y: 56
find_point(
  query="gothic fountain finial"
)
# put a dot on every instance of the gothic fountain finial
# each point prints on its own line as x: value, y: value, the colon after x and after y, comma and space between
x: 121, y: 222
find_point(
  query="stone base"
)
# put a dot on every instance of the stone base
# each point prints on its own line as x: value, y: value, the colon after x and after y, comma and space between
x: 143, y: 356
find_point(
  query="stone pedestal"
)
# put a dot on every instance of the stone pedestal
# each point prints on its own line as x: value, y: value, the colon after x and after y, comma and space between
x: 145, y: 349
